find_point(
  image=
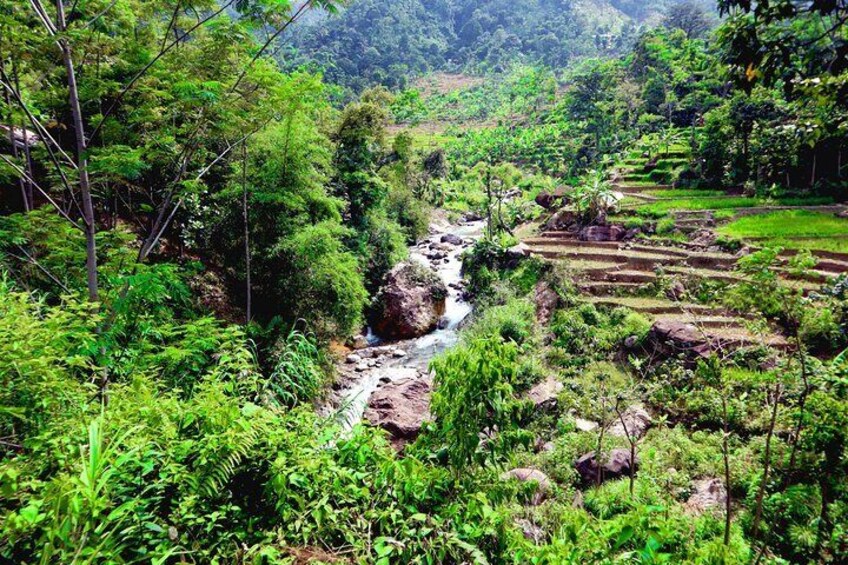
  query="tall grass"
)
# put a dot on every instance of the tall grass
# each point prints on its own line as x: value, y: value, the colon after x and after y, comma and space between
x: 298, y: 376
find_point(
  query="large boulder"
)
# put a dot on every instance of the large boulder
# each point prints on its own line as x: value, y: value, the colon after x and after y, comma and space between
x: 526, y: 475
x: 614, y: 465
x: 548, y: 200
x: 636, y: 422
x: 546, y: 300
x: 544, y: 394
x: 603, y: 233
x: 401, y: 408
x: 410, y: 302
x: 451, y: 238
x: 707, y: 495
x: 671, y: 338
x: 562, y: 219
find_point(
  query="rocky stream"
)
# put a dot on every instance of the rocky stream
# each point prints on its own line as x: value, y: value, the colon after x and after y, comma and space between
x: 387, y: 382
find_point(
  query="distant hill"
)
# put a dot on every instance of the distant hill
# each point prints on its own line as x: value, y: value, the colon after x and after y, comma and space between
x: 387, y: 41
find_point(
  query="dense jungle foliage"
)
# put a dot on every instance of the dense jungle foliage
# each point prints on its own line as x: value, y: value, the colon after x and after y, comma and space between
x: 671, y: 92
x: 199, y: 200
x: 387, y: 42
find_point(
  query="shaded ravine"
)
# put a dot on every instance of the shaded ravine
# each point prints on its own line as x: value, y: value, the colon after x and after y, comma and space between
x: 368, y: 369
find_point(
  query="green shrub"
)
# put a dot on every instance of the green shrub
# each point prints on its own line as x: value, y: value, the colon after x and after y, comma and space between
x: 382, y: 244
x: 587, y: 331
x: 326, y: 287
x: 474, y: 394
x: 665, y: 226
x: 298, y: 375
x: 412, y: 214
x: 512, y: 322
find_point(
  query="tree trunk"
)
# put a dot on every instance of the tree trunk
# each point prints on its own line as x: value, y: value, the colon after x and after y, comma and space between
x: 802, y: 404
x: 632, y: 443
x: 725, y: 445
x: 813, y: 174
x: 29, y: 203
x: 831, y: 462
x: 489, y: 224
x: 766, y: 465
x: 11, y: 125
x: 599, y: 453
x: 245, y: 215
x: 82, y: 161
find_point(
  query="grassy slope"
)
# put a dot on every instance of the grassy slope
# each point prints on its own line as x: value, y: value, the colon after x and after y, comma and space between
x: 726, y: 203
x: 793, y: 229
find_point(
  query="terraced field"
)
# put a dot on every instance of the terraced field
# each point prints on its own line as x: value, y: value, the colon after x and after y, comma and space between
x: 652, y: 276
x: 646, y: 177
x: 634, y: 275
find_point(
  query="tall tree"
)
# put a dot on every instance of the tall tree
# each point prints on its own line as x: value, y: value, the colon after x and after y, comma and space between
x: 689, y: 17
x: 153, y: 97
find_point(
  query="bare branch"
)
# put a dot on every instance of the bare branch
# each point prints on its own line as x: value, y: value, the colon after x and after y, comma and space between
x: 300, y: 11
x: 42, y: 268
x: 229, y: 148
x: 42, y: 131
x: 170, y: 26
x: 146, y: 248
x: 42, y: 16
x: 44, y: 193
x: 101, y: 14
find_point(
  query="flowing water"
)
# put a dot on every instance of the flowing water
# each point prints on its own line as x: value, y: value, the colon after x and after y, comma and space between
x: 391, y: 362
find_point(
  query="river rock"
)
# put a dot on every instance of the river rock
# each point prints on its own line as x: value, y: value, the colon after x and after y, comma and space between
x: 436, y: 255
x: 358, y: 342
x: 708, y: 494
x: 524, y: 475
x: 452, y: 239
x: 544, y: 395
x: 353, y: 359
x: 410, y: 302
x: 602, y: 233
x: 636, y: 420
x: 401, y: 408
x: 670, y: 338
x: 616, y: 464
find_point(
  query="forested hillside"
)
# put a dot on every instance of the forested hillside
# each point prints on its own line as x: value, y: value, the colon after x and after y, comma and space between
x: 387, y: 42
x: 423, y: 282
